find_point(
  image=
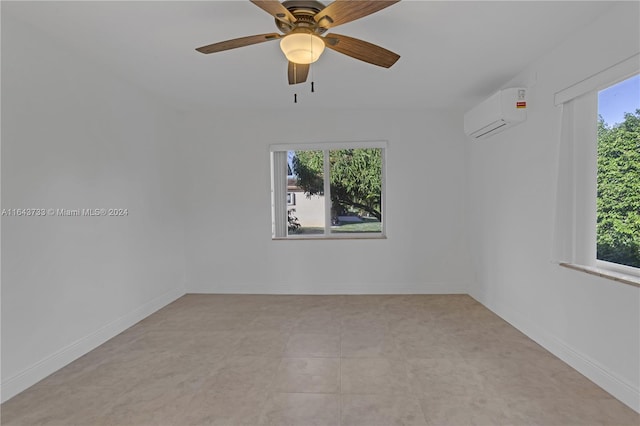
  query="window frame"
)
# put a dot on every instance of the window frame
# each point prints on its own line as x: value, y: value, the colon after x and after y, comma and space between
x: 580, y: 102
x: 326, y: 147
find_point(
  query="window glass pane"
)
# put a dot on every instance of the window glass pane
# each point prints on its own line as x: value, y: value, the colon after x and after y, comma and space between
x: 305, y: 193
x: 356, y: 190
x: 618, y: 202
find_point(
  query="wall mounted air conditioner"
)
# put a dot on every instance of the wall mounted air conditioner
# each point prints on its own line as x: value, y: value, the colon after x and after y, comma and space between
x: 500, y: 111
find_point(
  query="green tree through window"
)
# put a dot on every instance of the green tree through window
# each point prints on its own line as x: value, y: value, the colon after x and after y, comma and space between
x: 355, y: 178
x: 618, y: 202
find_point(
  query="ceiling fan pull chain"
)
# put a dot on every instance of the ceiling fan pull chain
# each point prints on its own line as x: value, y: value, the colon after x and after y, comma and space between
x: 313, y: 89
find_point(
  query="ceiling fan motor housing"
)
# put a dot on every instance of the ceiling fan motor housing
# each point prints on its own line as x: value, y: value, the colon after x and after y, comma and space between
x: 304, y: 11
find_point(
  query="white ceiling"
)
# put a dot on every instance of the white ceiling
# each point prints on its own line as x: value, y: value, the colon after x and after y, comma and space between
x: 452, y: 52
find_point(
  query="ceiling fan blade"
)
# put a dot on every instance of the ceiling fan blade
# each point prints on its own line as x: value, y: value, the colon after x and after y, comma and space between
x: 238, y: 42
x: 298, y: 73
x: 342, y: 11
x: 275, y: 9
x: 361, y: 50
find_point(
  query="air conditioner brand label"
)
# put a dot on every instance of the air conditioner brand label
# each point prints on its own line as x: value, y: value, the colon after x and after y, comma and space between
x: 521, y: 105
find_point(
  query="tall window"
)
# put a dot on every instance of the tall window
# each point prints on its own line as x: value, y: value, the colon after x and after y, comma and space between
x: 338, y: 190
x: 597, y: 227
x: 618, y: 196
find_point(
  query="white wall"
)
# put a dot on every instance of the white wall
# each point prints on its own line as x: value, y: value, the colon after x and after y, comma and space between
x: 75, y: 136
x: 229, y: 246
x: 590, y: 322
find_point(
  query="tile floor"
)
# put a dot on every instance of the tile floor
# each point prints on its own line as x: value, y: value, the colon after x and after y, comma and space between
x: 318, y: 360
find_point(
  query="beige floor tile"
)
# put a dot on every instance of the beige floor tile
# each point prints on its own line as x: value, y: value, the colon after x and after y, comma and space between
x: 302, y: 409
x: 380, y: 376
x: 118, y: 372
x: 369, y: 344
x: 488, y: 345
x: 445, y: 378
x: 199, y: 319
x: 245, y: 374
x: 215, y: 343
x: 323, y: 322
x: 224, y: 409
x: 381, y: 410
x: 570, y: 411
x: 313, y: 345
x: 494, y: 327
x: 74, y: 374
x: 411, y: 324
x: 423, y: 345
x: 57, y: 405
x: 309, y: 375
x: 510, y: 378
x: 148, y: 405
x: 465, y: 411
x: 188, y: 372
x: 372, y: 302
x: 272, y: 322
x: 220, y: 359
x: 365, y: 320
x: 319, y: 303
x: 260, y: 343
x: 285, y: 306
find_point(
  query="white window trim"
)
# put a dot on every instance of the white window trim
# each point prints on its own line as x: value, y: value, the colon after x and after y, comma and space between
x: 575, y: 234
x: 605, y: 78
x: 321, y: 146
x: 326, y: 147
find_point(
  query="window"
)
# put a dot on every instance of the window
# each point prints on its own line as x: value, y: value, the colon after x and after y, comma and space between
x: 338, y: 190
x: 618, y: 196
x: 598, y: 189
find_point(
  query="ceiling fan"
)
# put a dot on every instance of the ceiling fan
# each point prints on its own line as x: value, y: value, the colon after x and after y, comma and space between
x: 302, y: 23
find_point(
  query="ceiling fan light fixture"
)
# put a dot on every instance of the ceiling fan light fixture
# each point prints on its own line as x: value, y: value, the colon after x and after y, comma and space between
x: 302, y: 47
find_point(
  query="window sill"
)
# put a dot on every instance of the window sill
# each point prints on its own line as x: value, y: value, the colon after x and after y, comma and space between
x: 322, y: 237
x: 605, y: 273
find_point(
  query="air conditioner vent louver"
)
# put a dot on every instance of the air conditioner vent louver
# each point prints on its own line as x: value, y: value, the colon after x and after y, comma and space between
x: 500, y: 111
x: 493, y: 127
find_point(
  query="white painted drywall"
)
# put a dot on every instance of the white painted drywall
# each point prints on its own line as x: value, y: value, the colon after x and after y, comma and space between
x: 590, y: 322
x: 229, y: 246
x: 75, y: 136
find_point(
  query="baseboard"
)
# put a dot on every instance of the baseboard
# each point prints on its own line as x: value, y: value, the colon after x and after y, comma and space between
x: 305, y: 288
x: 594, y: 371
x: 43, y: 368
